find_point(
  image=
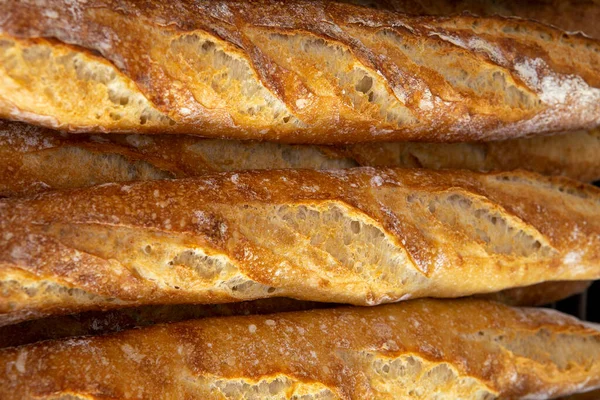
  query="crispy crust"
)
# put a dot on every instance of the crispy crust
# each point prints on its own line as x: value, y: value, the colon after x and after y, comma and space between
x: 573, y: 154
x: 294, y: 71
x: 102, y: 322
x: 452, y: 348
x: 37, y: 159
x: 360, y: 236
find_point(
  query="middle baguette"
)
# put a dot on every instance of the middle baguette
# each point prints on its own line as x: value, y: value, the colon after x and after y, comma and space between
x: 361, y: 236
x: 38, y: 159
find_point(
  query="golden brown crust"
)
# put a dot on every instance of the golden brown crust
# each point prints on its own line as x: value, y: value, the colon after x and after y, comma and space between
x: 418, y: 349
x: 568, y: 15
x: 573, y: 154
x: 38, y: 159
x: 360, y: 236
x: 103, y: 322
x: 294, y: 71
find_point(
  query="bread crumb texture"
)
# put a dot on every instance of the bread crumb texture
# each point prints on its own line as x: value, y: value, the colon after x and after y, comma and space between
x: 298, y: 71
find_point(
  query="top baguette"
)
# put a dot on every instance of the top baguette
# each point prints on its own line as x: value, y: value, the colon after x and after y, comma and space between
x: 294, y: 71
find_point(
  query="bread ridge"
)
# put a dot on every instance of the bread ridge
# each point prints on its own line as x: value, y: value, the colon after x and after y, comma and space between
x: 449, y: 348
x: 298, y: 71
x: 362, y: 236
x: 38, y: 159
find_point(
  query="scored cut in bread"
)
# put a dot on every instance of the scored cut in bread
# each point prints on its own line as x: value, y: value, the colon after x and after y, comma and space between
x: 295, y: 71
x: 362, y: 236
x: 422, y: 349
x: 38, y: 159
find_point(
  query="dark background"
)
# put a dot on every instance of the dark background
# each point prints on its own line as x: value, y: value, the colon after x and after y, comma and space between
x: 584, y: 306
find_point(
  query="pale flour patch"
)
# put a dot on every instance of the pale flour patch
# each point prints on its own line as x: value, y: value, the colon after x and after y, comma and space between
x: 573, y: 257
x: 18, y: 252
x: 492, y: 51
x: 132, y: 353
x: 20, y: 363
x: 426, y: 102
x: 50, y: 14
x: 554, y: 88
x: 376, y: 180
x: 301, y: 103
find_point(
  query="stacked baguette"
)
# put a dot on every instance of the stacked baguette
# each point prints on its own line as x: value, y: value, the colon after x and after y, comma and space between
x: 420, y: 349
x: 298, y: 72
x: 136, y: 189
x: 38, y: 159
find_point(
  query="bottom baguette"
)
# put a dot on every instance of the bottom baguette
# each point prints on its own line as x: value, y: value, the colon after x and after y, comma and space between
x: 445, y: 349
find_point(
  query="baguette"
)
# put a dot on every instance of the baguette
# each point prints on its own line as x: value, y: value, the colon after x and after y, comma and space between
x: 103, y: 322
x: 37, y: 159
x: 362, y: 236
x: 568, y: 15
x: 295, y: 71
x: 423, y: 349
x: 573, y: 154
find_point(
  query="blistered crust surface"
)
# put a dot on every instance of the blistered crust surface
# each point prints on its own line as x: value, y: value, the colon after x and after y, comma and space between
x: 299, y: 71
x: 361, y: 236
x: 424, y: 349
